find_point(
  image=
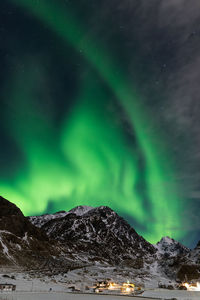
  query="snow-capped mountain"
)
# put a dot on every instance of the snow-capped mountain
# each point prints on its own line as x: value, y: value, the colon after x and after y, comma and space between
x: 194, y: 255
x: 100, y: 233
x: 171, y: 255
x: 39, y: 221
x: 80, y: 210
x: 169, y: 247
x: 21, y: 243
x: 87, y: 235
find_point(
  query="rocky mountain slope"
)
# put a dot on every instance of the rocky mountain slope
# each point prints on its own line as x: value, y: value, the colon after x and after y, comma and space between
x: 21, y: 243
x: 87, y: 235
x: 171, y: 255
x: 100, y: 234
x: 190, y: 265
x: 39, y: 221
x: 169, y: 247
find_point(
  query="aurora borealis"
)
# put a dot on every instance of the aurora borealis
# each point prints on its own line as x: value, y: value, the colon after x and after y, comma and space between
x: 77, y: 125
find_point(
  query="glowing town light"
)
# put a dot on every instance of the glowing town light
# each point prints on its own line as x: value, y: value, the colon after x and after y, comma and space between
x: 192, y: 287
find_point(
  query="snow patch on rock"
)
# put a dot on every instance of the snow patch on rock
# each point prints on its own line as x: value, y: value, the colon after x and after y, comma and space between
x: 39, y: 221
x: 170, y: 247
x: 81, y: 210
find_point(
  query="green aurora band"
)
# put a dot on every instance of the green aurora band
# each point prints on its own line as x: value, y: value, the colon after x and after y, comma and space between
x: 90, y: 162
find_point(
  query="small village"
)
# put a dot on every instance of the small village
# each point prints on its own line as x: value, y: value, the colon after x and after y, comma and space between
x: 102, y: 287
x: 110, y: 287
x: 107, y: 287
x: 7, y: 287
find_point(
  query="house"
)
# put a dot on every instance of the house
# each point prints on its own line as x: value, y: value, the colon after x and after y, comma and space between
x: 102, y: 284
x: 7, y: 287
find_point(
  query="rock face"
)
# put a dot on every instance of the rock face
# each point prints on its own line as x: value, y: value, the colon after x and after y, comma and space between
x: 188, y: 272
x: 102, y: 235
x: 81, y: 210
x: 99, y: 234
x: 190, y: 269
x: 169, y: 247
x: 21, y: 243
x: 8, y: 209
x: 171, y: 256
x: 13, y: 221
x: 194, y: 255
x: 39, y: 221
x: 88, y: 235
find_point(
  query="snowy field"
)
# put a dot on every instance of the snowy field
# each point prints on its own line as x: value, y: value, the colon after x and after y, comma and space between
x: 60, y: 296
x: 167, y: 294
x: 157, y: 294
x: 57, y: 287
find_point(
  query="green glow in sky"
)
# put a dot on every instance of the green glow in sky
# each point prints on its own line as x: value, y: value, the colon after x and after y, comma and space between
x: 90, y: 161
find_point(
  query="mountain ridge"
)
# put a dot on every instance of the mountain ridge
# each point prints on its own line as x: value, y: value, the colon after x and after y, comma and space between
x: 87, y: 235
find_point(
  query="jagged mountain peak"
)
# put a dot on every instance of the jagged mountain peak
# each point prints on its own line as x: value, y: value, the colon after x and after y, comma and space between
x: 12, y: 220
x: 195, y: 254
x: 101, y: 233
x: 88, y: 224
x: 198, y: 245
x: 167, y: 239
x: 87, y: 234
x: 102, y: 208
x: 170, y: 247
x: 80, y: 210
x: 39, y: 221
x: 8, y: 208
x: 21, y: 243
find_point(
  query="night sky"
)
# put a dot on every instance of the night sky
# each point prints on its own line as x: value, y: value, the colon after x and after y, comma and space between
x: 100, y: 106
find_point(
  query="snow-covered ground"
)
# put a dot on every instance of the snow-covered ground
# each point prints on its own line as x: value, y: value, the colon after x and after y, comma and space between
x: 158, y: 294
x: 37, y: 286
x: 166, y: 294
x: 60, y: 296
